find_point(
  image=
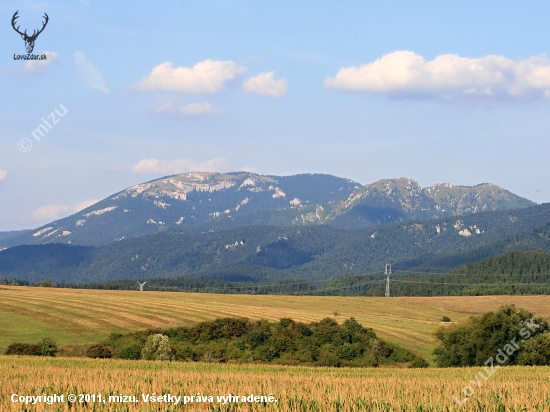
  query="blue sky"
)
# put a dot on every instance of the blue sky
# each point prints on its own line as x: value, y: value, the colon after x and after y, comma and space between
x: 455, y: 91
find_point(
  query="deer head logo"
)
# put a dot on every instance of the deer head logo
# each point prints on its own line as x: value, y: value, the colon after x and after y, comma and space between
x: 29, y: 40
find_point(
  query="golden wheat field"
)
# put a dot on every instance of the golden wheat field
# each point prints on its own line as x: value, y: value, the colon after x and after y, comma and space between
x: 77, y: 316
x: 293, y: 388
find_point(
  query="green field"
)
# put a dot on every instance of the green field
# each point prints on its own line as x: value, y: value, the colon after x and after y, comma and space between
x: 73, y: 316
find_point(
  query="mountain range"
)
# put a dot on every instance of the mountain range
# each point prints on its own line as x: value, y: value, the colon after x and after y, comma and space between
x: 201, y: 202
x: 288, y: 228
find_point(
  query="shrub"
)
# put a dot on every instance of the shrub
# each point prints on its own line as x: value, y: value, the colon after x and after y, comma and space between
x: 221, y: 328
x: 419, y: 363
x: 72, y: 351
x: 287, y: 359
x: 285, y: 322
x: 48, y: 347
x: 183, y: 352
x: 25, y: 349
x: 99, y: 351
x: 157, y: 347
x: 304, y: 355
x: 125, y: 347
x: 305, y: 330
x: 285, y: 342
x: 45, y: 284
x: 349, y: 351
x: 327, y: 358
x: 257, y: 337
x: 130, y: 352
x: 535, y: 351
x: 400, y: 355
x: 473, y: 341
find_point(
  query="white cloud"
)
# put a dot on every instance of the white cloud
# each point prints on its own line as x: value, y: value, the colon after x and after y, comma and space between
x: 90, y: 73
x: 265, y: 84
x: 3, y: 174
x: 171, y: 108
x: 489, y: 80
x: 155, y: 166
x: 51, y: 212
x: 38, y: 67
x: 54, y: 212
x: 208, y: 76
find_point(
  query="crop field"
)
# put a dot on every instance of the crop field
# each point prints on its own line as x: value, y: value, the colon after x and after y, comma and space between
x: 291, y: 388
x: 73, y: 316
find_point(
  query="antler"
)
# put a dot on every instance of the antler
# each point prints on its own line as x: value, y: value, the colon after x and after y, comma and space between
x: 13, y: 19
x: 43, y: 26
x: 34, y: 33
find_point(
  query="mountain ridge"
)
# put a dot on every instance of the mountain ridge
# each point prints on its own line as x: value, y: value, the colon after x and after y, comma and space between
x: 258, y: 253
x: 197, y: 202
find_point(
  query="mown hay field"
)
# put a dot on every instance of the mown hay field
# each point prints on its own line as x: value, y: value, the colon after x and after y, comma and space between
x: 78, y: 316
x: 294, y: 388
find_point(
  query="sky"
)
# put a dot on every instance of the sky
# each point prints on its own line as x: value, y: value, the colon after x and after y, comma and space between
x: 440, y: 92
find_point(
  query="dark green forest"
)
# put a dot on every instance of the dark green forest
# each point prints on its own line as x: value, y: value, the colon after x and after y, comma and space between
x: 512, y: 273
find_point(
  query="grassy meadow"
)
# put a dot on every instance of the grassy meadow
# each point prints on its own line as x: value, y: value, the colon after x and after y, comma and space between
x: 73, y: 316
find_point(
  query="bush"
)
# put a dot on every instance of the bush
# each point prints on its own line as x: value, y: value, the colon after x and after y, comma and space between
x: 419, y: 363
x: 400, y: 355
x: 285, y: 342
x: 25, y: 349
x: 130, y: 352
x: 535, y: 351
x: 48, y: 347
x: 479, y: 338
x: 99, y: 351
x: 157, y: 347
x: 327, y: 358
x: 183, y: 352
x: 125, y: 347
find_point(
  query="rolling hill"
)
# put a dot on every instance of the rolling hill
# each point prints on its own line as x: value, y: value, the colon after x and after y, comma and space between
x: 86, y: 316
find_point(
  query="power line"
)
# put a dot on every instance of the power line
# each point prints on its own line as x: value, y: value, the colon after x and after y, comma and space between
x: 300, y: 283
x: 470, y: 274
x: 409, y: 281
x: 472, y: 284
x: 339, y: 288
x: 387, y: 273
x: 280, y: 285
